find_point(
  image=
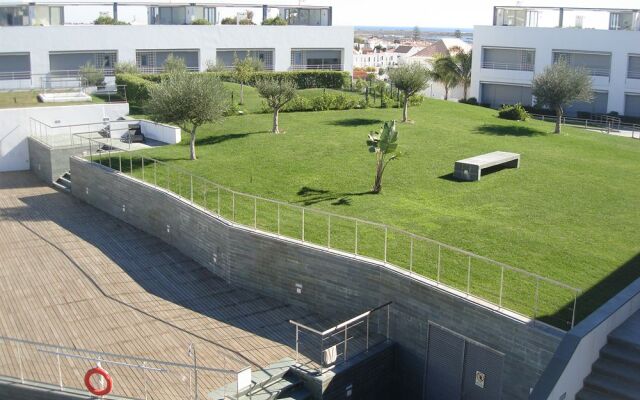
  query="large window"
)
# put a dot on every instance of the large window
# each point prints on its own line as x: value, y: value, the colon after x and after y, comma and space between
x: 306, y: 16
x: 227, y: 57
x: 152, y: 61
x: 633, y: 67
x: 69, y: 62
x: 14, y: 16
x: 621, y: 21
x: 632, y: 105
x: 169, y: 15
x: 508, y: 58
x: 597, y: 105
x: 316, y: 59
x: 497, y: 94
x: 15, y: 66
x: 598, y: 64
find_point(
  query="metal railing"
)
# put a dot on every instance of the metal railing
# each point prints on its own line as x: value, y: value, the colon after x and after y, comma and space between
x: 507, y: 66
x: 15, y: 75
x: 104, y: 135
x: 633, y: 74
x: 342, y: 342
x: 159, y: 70
x: 134, y: 377
x: 328, y: 67
x: 605, y: 124
x: 504, y: 287
x: 59, y: 79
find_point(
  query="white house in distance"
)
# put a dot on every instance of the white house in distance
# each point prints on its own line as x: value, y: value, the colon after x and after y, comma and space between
x: 376, y: 59
x: 44, y: 40
x: 524, y: 40
x: 444, y: 46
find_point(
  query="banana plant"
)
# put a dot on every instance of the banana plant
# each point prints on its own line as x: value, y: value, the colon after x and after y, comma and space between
x: 384, y: 144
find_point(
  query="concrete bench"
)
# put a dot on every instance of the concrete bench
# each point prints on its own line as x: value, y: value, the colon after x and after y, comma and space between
x: 470, y: 169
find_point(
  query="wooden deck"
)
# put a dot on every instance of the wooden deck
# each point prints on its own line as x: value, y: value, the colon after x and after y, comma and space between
x: 72, y: 276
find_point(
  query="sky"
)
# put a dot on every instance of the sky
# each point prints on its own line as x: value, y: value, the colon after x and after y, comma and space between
x: 443, y: 14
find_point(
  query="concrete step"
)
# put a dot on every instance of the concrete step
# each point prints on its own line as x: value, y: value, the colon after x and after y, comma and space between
x: 621, y: 354
x: 613, y: 386
x: 626, y: 335
x: 276, y: 390
x: 617, y: 368
x: 259, y: 379
x: 591, y: 394
x: 62, y: 187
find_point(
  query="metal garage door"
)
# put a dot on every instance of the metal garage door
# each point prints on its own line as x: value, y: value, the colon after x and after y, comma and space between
x: 497, y: 94
x: 632, y: 105
x: 460, y: 368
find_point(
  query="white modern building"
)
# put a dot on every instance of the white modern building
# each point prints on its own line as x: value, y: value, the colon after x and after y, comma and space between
x: 375, y: 59
x: 39, y: 42
x: 524, y: 40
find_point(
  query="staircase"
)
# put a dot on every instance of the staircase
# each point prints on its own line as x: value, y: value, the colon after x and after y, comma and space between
x: 276, y: 381
x: 64, y: 182
x: 616, y: 374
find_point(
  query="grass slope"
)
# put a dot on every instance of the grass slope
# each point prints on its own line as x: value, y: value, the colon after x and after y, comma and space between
x: 569, y: 213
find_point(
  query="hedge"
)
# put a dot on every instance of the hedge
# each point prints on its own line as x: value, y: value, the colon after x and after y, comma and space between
x: 137, y: 88
x: 304, y: 79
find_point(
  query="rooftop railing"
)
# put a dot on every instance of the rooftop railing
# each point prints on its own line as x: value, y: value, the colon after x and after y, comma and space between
x: 507, y: 66
x: 567, y: 17
x: 524, y: 294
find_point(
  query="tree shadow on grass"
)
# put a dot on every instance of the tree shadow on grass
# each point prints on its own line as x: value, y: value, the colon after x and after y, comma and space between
x: 508, y: 130
x: 209, y: 140
x: 314, y: 196
x: 355, y: 122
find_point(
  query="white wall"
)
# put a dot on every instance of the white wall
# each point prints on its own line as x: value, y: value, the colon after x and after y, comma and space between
x: 15, y: 126
x: 39, y: 41
x: 545, y: 40
x: 160, y: 132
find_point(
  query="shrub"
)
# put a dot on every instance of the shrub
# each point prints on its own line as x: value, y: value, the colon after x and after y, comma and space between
x: 471, y: 100
x: 126, y: 68
x: 91, y: 75
x: 200, y: 21
x: 216, y: 66
x: 515, y: 112
x: 137, y: 88
x: 303, y: 79
x: 416, y: 100
x: 234, y: 21
x: 275, y: 21
x: 107, y: 20
x: 174, y: 64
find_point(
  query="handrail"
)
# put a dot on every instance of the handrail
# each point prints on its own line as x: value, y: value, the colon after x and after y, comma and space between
x: 342, y: 324
x: 507, y: 66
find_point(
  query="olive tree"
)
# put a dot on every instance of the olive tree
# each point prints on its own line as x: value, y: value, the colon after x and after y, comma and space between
x: 410, y: 79
x: 277, y: 93
x: 560, y: 85
x: 188, y: 100
x: 243, y: 70
x: 385, y: 145
x: 174, y: 64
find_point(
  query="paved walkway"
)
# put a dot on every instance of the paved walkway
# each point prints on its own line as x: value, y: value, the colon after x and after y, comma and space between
x: 72, y: 276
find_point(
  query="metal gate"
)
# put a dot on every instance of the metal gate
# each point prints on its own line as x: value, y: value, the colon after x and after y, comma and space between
x: 460, y: 368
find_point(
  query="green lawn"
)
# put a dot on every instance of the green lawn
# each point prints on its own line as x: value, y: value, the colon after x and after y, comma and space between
x: 30, y: 99
x: 570, y: 213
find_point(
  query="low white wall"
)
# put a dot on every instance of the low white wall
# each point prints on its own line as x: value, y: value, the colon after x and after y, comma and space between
x: 160, y: 132
x: 15, y: 125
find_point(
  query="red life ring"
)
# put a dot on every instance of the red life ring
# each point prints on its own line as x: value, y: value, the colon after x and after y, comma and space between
x: 105, y: 375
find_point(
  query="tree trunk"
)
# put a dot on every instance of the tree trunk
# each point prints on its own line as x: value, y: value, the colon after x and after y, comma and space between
x: 558, y: 119
x: 446, y: 92
x: 465, y: 87
x: 241, y: 93
x: 276, y: 126
x: 192, y: 143
x: 405, y: 109
x: 377, y: 184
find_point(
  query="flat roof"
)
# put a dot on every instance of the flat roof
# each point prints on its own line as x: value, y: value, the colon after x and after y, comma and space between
x: 156, y: 3
x: 567, y: 8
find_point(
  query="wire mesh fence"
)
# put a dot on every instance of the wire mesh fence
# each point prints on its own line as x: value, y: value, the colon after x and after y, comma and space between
x: 467, y: 274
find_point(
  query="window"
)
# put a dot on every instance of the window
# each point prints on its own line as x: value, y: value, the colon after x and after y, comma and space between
x: 621, y: 21
x: 14, y: 16
x: 598, y: 64
x: 172, y: 15
x: 15, y: 66
x: 633, y: 68
x: 508, y: 58
x: 56, y: 15
x: 228, y: 56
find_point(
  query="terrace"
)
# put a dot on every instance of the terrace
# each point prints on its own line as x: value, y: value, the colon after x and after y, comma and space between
x: 159, y: 13
x: 567, y: 17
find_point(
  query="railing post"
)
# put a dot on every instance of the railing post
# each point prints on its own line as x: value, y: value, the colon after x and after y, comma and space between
x: 255, y: 213
x: 356, y: 239
x: 367, y: 337
x: 218, y: 200
x: 119, y: 162
x: 469, y: 277
x: 131, y: 164
x: 575, y: 303
x: 90, y: 151
x: 329, y: 232
x: 142, y: 163
x: 438, y: 280
x: 204, y: 194
x: 501, y: 286
x: 346, y: 338
x: 535, y: 301
x: 385, y: 243
x: 321, y: 354
x: 278, y: 219
x: 191, y: 187
x: 388, y: 319
x: 59, y: 369
x: 233, y: 206
x: 144, y: 372
x: 303, y: 224
x: 155, y: 172
x: 410, y: 254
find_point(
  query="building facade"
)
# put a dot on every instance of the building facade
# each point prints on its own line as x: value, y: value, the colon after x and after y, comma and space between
x: 523, y: 41
x: 33, y: 55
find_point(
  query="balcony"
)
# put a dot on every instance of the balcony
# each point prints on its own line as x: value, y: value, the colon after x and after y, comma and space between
x: 316, y: 59
x: 512, y: 59
x: 597, y: 64
x: 141, y: 13
x: 567, y: 17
